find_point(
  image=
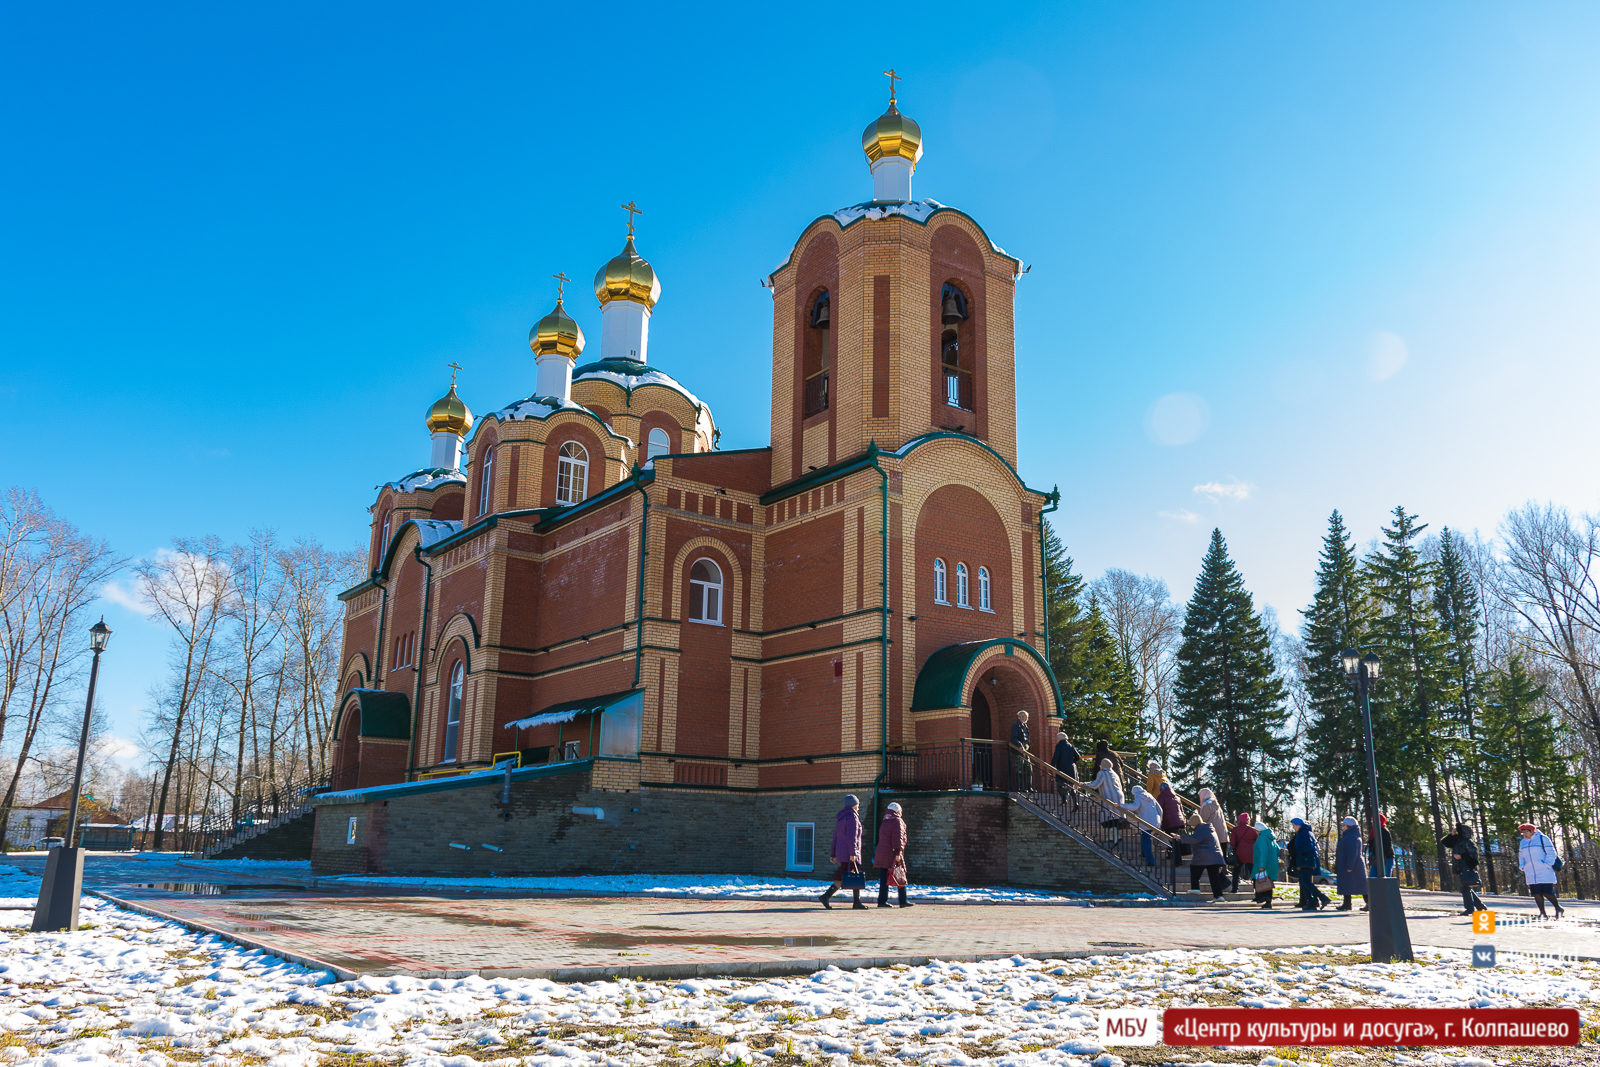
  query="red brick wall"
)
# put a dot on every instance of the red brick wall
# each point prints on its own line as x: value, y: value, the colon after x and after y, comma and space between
x: 704, y: 667
x: 804, y: 577
x: 818, y: 268
x: 958, y: 525
x: 957, y: 260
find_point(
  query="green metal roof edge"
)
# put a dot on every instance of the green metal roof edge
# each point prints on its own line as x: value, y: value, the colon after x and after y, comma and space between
x: 917, y: 442
x: 638, y: 480
x: 576, y: 409
x: 627, y: 390
x: 820, y: 476
x: 601, y: 703
x: 941, y: 681
x: 439, y: 785
x: 996, y: 249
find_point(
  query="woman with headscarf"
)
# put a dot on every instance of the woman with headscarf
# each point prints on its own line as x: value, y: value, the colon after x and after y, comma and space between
x: 890, y: 856
x: 846, y: 849
x: 1211, y: 812
x: 1349, y: 865
x: 1109, y: 785
x: 1264, y: 864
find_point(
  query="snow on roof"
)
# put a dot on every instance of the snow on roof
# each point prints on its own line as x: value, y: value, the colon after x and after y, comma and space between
x: 917, y: 210
x: 427, y: 478
x: 548, y: 718
x: 631, y: 374
x: 535, y: 407
x: 432, y: 531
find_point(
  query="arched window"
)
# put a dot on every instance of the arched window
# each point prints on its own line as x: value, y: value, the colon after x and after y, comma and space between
x: 955, y: 348
x: 961, y: 586
x: 572, y: 473
x: 705, y: 592
x: 817, y: 354
x: 452, y: 714
x: 486, y: 482
x: 983, y: 590
x: 383, y: 538
x: 657, y: 444
x: 939, y: 587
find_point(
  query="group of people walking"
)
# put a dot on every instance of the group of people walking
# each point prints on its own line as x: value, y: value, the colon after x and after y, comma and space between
x: 889, y: 856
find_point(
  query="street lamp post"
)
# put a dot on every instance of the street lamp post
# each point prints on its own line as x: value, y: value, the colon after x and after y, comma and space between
x: 1386, y: 916
x: 62, y: 887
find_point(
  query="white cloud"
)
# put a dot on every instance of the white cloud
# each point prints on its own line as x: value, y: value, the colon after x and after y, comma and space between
x: 1181, y: 515
x: 1234, y: 490
x: 125, y: 594
x: 1177, y: 419
x: 1386, y: 355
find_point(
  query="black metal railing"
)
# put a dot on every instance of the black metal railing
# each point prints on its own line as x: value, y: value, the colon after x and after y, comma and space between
x: 258, y: 812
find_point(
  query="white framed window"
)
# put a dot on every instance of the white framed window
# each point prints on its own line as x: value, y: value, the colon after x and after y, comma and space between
x: 656, y: 444
x: 961, y: 586
x: 452, y: 715
x: 572, y: 473
x: 350, y: 831
x: 940, y: 586
x: 984, y: 603
x: 486, y: 482
x: 569, y: 750
x: 801, y: 853
x: 705, y: 592
x: 383, y: 538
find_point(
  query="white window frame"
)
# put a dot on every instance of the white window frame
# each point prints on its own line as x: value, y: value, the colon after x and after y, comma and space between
x: 383, y: 542
x: 941, y: 587
x: 350, y: 830
x: 486, y: 482
x: 656, y: 443
x: 793, y: 862
x: 963, y: 586
x: 569, y: 751
x: 572, y: 474
x: 985, y: 599
x: 452, y: 713
x: 711, y: 594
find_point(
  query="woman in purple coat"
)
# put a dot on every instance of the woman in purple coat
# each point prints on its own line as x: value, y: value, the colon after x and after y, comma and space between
x: 890, y: 856
x: 846, y: 850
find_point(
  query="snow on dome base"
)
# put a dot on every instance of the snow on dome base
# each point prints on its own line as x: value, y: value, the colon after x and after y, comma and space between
x: 917, y: 210
x: 535, y: 407
x: 432, y: 531
x: 427, y: 478
x: 631, y: 374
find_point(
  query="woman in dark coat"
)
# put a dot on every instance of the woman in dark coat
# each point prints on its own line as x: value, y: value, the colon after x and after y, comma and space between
x: 1306, y: 861
x: 1207, y: 856
x: 1464, y: 861
x: 1171, y: 811
x: 890, y: 856
x: 1102, y: 751
x: 846, y: 850
x: 1349, y: 865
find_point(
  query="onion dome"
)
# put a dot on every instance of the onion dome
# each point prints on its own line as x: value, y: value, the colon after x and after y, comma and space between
x: 449, y: 415
x: 892, y: 134
x: 556, y: 334
x: 627, y: 277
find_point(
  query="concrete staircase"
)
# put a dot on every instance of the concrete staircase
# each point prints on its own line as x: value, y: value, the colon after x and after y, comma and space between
x: 1119, y: 848
x: 286, y: 837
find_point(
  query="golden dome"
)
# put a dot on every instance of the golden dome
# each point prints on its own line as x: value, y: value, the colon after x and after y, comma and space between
x: 627, y: 277
x: 556, y: 334
x: 892, y: 134
x: 449, y: 414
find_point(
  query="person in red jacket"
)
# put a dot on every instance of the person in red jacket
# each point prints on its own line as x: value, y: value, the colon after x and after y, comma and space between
x: 1244, y: 847
x: 890, y: 856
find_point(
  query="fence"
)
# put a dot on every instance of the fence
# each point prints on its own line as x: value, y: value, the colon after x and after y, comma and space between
x: 1417, y: 867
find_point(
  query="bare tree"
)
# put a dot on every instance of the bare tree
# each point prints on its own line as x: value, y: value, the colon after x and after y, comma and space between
x: 1148, y: 627
x: 251, y: 646
x: 189, y: 588
x: 311, y: 623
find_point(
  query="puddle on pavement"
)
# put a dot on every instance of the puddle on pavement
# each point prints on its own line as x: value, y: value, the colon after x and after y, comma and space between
x: 624, y: 941
x: 212, y: 889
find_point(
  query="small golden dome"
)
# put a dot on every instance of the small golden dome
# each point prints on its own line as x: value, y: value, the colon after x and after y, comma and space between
x: 892, y: 134
x: 627, y: 277
x: 449, y: 414
x: 556, y: 334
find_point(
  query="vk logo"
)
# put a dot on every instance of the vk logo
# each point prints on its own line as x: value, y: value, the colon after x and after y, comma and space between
x: 1483, y: 955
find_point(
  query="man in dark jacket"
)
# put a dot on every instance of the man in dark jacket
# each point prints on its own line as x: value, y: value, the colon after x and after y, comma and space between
x: 1021, y: 776
x: 1464, y: 861
x: 1065, y: 761
x: 1306, y: 862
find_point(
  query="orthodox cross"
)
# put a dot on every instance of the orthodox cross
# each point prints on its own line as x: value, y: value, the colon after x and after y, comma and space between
x: 632, y: 209
x: 454, y: 367
x: 893, y: 77
x: 561, y: 284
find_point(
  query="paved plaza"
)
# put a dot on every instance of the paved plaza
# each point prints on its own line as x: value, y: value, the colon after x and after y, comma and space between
x: 583, y: 938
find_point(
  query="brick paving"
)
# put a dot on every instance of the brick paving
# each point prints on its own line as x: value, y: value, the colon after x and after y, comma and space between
x: 583, y: 938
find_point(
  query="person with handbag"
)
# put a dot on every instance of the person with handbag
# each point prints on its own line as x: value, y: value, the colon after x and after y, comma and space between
x: 1307, y: 864
x: 846, y: 852
x: 1244, y: 844
x: 1264, y: 865
x: 1540, y: 863
x: 1109, y: 786
x: 890, y: 856
x: 1464, y: 861
x: 1207, y: 856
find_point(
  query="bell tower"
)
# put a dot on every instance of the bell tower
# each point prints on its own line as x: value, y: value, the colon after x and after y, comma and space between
x: 892, y: 319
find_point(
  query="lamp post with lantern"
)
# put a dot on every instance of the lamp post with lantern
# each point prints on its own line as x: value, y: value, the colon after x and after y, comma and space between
x: 1386, y: 915
x: 62, y: 887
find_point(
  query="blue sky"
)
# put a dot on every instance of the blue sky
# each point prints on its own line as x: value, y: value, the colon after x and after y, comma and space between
x: 1284, y: 258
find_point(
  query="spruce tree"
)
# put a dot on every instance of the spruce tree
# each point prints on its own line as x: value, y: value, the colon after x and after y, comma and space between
x: 1527, y: 776
x: 1107, y: 704
x: 1455, y: 598
x: 1232, y: 709
x: 1416, y: 691
x: 1064, y: 614
x: 1340, y: 617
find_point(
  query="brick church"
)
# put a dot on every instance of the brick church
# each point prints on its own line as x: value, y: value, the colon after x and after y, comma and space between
x: 586, y: 615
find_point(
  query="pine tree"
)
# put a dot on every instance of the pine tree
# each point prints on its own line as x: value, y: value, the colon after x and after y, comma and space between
x: 1527, y: 777
x: 1412, y: 700
x: 1231, y: 705
x: 1065, y: 615
x: 1106, y: 705
x: 1340, y: 617
x: 1455, y: 598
